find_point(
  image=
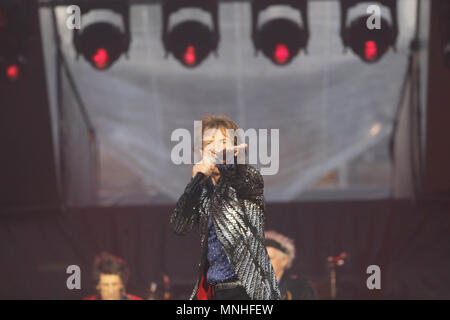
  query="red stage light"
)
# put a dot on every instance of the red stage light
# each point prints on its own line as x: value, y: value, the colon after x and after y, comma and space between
x: 371, y: 50
x: 189, y: 56
x: 281, y: 53
x: 101, y: 58
x: 12, y: 72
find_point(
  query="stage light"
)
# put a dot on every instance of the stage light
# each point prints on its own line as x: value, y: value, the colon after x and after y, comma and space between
x: 101, y: 58
x: 190, y: 55
x: 371, y: 51
x: 12, y: 72
x: 369, y: 44
x: 13, y: 40
x: 102, y: 43
x: 190, y: 41
x: 280, y: 39
x: 12, y: 68
x: 12, y: 65
x: 281, y: 53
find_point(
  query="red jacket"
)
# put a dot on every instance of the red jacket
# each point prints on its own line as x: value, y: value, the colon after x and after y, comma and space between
x: 127, y: 297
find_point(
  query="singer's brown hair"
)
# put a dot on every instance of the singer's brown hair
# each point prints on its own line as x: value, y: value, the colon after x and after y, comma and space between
x: 217, y: 121
x: 107, y: 263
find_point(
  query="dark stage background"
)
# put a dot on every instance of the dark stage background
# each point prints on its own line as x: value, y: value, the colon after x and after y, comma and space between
x: 409, y: 241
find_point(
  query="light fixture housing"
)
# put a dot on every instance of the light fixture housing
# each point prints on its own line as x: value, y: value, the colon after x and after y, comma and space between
x: 370, y: 45
x: 190, y: 41
x: 280, y: 39
x: 102, y: 43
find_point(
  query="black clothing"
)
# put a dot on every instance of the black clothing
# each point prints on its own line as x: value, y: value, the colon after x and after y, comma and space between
x: 237, y: 293
x: 236, y: 206
x: 296, y: 288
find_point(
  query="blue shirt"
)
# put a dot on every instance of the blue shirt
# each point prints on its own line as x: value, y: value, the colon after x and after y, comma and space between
x: 219, y: 267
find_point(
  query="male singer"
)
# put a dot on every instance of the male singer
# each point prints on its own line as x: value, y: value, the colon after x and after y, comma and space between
x: 226, y: 201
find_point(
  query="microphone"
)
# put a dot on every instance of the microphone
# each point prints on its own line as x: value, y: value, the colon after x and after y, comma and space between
x: 198, y: 179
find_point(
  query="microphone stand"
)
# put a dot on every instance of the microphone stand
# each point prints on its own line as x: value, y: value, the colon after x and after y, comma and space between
x: 333, y: 263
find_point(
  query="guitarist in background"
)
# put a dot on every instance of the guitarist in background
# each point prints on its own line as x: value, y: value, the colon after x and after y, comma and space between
x: 281, y: 251
x: 110, y: 277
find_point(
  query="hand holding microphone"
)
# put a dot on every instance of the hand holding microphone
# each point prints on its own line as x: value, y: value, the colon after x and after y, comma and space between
x: 207, y: 167
x: 201, y: 171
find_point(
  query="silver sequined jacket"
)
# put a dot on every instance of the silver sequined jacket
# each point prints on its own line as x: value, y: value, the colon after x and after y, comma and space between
x: 237, y: 208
